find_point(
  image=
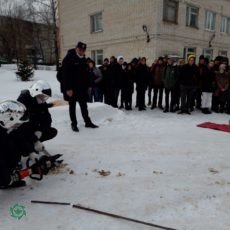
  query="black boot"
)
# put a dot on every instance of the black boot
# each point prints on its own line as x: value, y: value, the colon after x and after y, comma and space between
x: 15, y: 184
x: 91, y: 125
x: 166, y: 110
x: 74, y: 128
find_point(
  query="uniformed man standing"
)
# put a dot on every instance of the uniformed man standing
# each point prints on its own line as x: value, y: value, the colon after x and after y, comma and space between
x: 76, y: 84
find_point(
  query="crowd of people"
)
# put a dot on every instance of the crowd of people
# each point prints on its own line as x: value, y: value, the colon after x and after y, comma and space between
x: 205, y: 86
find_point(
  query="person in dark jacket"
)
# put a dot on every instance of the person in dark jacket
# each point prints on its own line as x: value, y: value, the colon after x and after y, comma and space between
x: 157, y: 73
x: 128, y: 86
x: 96, y: 79
x: 170, y: 81
x: 207, y: 87
x: 104, y: 84
x: 142, y: 74
x: 115, y: 73
x: 76, y: 84
x: 197, y: 96
x: 38, y: 129
x: 188, y: 84
x: 223, y: 89
x: 180, y: 65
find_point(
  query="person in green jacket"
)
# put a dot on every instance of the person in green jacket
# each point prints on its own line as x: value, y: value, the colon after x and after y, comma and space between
x: 170, y: 81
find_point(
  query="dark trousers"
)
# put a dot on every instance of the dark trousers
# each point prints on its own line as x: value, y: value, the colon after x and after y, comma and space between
x: 84, y: 111
x: 9, y: 159
x: 48, y: 134
x: 196, y: 100
x: 96, y: 95
x: 141, y: 98
x: 155, y: 96
x: 150, y: 89
x: 187, y: 93
x: 172, y: 94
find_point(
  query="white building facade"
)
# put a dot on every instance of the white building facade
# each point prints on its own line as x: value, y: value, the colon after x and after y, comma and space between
x: 150, y: 28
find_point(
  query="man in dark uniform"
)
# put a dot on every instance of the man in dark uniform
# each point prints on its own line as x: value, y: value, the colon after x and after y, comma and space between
x: 76, y: 84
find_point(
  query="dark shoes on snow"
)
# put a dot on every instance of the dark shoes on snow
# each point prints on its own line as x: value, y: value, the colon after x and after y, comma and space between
x: 16, y: 184
x: 91, y: 125
x: 206, y: 111
x: 87, y: 125
x: 184, y: 112
x: 74, y: 128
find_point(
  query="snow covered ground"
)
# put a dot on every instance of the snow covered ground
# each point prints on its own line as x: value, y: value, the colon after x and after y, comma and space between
x: 163, y: 169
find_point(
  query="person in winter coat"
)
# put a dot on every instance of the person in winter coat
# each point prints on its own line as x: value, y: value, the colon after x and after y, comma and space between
x: 142, y: 74
x: 38, y: 129
x: 170, y: 81
x: 115, y: 73
x: 96, y: 79
x: 128, y: 86
x: 223, y: 89
x: 207, y: 87
x: 105, y: 88
x: 76, y: 84
x: 197, y: 96
x: 157, y: 80
x: 12, y: 115
x: 180, y: 65
x: 188, y: 84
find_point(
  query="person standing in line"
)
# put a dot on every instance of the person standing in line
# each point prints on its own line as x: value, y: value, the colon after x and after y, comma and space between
x: 207, y: 87
x: 170, y: 81
x: 158, y: 85
x: 188, y: 84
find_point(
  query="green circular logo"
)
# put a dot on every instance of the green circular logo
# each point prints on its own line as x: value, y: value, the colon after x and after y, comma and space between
x: 18, y: 211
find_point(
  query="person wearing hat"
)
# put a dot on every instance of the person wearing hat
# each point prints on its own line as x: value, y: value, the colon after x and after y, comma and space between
x: 76, y: 84
x: 188, y: 84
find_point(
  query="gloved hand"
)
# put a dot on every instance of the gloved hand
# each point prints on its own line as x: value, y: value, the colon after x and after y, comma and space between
x: 38, y: 134
x: 34, y: 157
x: 38, y: 146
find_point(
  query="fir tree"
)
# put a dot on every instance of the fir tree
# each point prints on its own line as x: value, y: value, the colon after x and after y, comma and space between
x: 25, y: 71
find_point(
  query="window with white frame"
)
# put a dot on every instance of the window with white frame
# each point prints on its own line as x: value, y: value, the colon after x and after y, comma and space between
x: 225, y: 25
x: 97, y: 56
x: 189, y: 51
x: 96, y: 22
x: 170, y: 10
x: 210, y: 18
x: 223, y: 53
x: 192, y: 16
x: 208, y: 53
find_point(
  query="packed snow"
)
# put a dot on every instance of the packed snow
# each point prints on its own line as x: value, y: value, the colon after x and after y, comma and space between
x: 161, y: 168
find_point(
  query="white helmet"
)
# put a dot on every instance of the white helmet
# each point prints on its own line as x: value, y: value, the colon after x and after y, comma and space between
x: 12, y: 113
x: 40, y: 88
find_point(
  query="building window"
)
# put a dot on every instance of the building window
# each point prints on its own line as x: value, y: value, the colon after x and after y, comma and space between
x: 210, y: 19
x: 192, y: 16
x: 223, y: 53
x: 189, y: 51
x: 170, y: 11
x: 97, y: 56
x: 96, y: 22
x: 225, y: 25
x: 208, y: 53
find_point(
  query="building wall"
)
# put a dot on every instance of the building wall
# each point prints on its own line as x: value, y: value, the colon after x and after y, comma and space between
x: 123, y: 33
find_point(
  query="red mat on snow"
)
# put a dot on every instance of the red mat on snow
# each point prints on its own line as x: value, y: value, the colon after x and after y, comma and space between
x: 220, y: 127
